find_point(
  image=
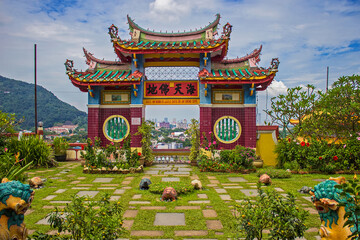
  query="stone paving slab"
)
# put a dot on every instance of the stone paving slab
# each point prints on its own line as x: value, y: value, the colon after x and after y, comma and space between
x: 187, y: 207
x: 311, y: 210
x: 169, y: 219
x: 153, y: 208
x: 177, y: 173
x: 233, y: 187
x: 152, y: 172
x: 230, y: 184
x: 102, y: 180
x: 209, y: 213
x: 139, y: 202
x: 184, y: 169
x: 211, y: 177
x: 127, y: 224
x: 137, y: 196
x: 169, y: 179
x: 279, y: 189
x: 308, y: 198
x: 119, y: 191
x: 126, y: 182
x: 220, y: 190
x: 79, y: 188
x: 129, y: 178
x: 225, y: 197
x: 87, y: 193
x: 109, y: 185
x: 199, y: 201
x: 49, y: 197
x: 84, y: 185
x: 75, y: 182
x: 147, y: 233
x: 130, y: 213
x: 212, y: 185
x: 214, y: 224
x: 202, y: 196
x: 106, y: 188
x: 187, y: 233
x: 81, y: 178
x: 237, y: 179
x: 28, y: 212
x: 114, y: 198
x: 249, y: 192
x: 214, y: 181
x: 62, y: 202
x: 126, y: 187
x: 60, y: 191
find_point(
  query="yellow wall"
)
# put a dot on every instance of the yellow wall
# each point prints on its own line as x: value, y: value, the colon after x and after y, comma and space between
x: 265, y: 146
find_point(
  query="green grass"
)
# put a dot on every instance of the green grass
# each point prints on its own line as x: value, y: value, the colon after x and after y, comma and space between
x: 145, y: 218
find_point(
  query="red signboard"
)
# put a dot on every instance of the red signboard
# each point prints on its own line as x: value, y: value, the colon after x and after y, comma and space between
x: 171, y: 89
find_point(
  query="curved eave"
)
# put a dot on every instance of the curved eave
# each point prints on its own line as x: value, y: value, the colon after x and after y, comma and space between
x: 260, y: 81
x: 84, y: 84
x: 90, y: 57
x: 132, y: 24
x: 254, y: 54
x: 122, y: 48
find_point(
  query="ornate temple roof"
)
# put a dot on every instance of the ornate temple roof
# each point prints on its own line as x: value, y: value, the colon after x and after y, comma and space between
x: 101, y: 77
x: 243, y: 75
x: 175, y: 37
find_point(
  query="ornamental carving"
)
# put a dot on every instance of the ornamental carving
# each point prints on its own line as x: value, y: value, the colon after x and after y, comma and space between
x: 275, y: 63
x: 227, y: 30
x: 113, y: 31
x: 69, y: 65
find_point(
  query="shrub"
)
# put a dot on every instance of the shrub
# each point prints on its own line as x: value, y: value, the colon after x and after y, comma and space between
x: 32, y: 149
x: 274, y: 173
x: 86, y: 220
x: 60, y: 146
x: 180, y: 187
x: 239, y: 156
x: 10, y: 167
x: 271, y: 211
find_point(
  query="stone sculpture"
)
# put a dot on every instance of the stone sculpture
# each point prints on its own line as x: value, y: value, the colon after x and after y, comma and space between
x: 15, y: 200
x: 197, y: 184
x: 169, y: 194
x: 265, y: 179
x: 326, y: 199
x: 305, y: 190
x: 144, y: 184
x: 36, y: 182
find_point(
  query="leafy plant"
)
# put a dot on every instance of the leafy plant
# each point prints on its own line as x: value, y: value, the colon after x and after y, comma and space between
x: 60, y: 146
x: 32, y: 149
x: 180, y: 187
x: 145, y: 131
x: 271, y: 211
x: 10, y: 167
x: 194, y: 132
x: 85, y: 219
x: 274, y: 173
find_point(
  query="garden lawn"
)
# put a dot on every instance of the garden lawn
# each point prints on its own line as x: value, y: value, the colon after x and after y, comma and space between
x: 211, y: 219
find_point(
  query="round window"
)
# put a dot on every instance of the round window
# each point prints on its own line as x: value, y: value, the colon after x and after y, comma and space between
x: 227, y: 129
x: 116, y: 128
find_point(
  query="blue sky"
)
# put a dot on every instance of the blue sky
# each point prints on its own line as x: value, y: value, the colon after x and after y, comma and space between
x: 306, y: 35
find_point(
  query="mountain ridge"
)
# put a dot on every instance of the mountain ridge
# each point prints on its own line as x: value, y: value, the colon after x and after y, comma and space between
x: 17, y: 97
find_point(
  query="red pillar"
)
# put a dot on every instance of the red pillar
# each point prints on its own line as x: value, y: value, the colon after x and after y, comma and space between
x: 136, y: 118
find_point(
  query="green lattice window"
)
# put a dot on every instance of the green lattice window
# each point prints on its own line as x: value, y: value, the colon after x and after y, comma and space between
x: 116, y: 128
x: 227, y: 129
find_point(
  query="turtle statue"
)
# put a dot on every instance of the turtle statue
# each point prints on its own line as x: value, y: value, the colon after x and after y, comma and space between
x: 15, y: 200
x: 265, y: 179
x: 169, y: 194
x: 144, y: 184
x: 197, y: 184
x: 305, y: 190
x: 36, y: 182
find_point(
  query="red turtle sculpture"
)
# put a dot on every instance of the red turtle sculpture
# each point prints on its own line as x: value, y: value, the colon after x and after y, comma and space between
x: 169, y: 193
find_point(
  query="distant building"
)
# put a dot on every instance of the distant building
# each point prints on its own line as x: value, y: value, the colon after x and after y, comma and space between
x: 164, y: 125
x: 62, y: 129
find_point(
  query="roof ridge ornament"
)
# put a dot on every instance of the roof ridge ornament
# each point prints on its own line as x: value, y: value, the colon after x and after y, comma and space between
x: 275, y: 64
x: 113, y: 32
x: 227, y: 30
x: 69, y: 65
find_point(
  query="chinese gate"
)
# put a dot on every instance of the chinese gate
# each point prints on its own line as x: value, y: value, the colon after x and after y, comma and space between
x: 187, y: 68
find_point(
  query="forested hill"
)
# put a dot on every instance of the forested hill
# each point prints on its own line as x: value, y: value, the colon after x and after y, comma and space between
x: 18, y: 97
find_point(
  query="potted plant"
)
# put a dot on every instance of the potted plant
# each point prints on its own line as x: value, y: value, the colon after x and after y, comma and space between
x: 60, y: 147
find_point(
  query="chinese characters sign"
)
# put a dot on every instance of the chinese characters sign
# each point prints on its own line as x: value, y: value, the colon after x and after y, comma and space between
x: 171, y: 89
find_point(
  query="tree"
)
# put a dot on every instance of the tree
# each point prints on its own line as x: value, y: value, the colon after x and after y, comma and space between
x: 292, y: 107
x: 145, y: 131
x: 194, y: 133
x: 337, y: 111
x: 7, y: 124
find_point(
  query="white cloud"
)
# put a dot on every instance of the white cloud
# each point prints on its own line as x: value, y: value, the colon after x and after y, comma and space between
x: 276, y: 88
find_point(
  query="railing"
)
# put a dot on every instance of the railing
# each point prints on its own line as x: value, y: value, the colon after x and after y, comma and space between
x: 178, y: 156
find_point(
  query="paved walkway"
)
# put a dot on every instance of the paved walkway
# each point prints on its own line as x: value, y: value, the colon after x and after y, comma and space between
x: 187, y: 218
